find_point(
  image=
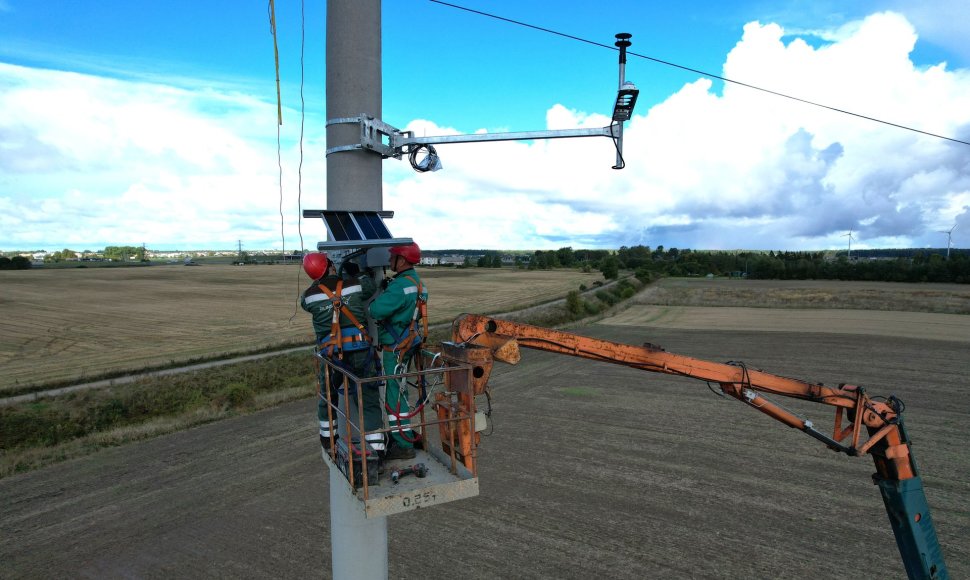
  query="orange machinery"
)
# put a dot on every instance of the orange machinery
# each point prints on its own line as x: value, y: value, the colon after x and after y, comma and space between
x: 863, y: 425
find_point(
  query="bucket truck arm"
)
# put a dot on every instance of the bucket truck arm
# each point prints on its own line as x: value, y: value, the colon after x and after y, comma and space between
x: 885, y: 438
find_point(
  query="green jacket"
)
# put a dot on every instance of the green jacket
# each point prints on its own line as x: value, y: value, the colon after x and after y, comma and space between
x: 318, y: 304
x: 394, y: 308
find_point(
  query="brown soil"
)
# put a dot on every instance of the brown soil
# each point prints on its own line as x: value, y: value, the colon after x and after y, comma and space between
x: 592, y: 471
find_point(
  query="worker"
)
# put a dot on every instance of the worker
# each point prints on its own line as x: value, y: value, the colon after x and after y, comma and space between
x: 337, y: 306
x: 399, y: 310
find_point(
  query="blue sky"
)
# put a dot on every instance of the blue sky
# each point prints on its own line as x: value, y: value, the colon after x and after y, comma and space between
x: 155, y: 123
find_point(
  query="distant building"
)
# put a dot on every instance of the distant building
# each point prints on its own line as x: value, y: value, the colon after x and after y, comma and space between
x: 452, y: 260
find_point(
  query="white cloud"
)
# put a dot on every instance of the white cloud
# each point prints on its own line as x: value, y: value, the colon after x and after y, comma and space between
x: 942, y: 22
x: 88, y: 160
x: 744, y: 169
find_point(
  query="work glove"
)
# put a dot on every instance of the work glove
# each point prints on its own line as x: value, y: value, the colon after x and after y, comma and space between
x: 384, y: 283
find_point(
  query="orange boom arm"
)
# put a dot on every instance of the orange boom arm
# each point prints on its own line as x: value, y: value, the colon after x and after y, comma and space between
x: 885, y: 440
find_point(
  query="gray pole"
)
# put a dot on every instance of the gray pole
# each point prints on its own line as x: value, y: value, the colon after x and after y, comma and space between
x: 358, y: 545
x: 353, y: 88
x: 622, y: 42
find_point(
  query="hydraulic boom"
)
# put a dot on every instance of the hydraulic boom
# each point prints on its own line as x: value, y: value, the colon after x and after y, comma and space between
x: 884, y: 437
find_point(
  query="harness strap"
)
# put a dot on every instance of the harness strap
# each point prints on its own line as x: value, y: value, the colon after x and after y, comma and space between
x: 420, y: 308
x: 337, y: 338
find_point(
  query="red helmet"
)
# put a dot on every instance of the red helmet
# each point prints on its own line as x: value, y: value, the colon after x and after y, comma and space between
x: 315, y: 264
x: 410, y: 252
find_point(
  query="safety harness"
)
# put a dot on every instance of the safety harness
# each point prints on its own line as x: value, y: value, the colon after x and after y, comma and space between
x: 410, y: 339
x: 404, y: 347
x: 347, y: 339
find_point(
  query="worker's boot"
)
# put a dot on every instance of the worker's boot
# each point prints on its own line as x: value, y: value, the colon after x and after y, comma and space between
x: 325, y: 444
x: 419, y: 442
x: 395, y: 452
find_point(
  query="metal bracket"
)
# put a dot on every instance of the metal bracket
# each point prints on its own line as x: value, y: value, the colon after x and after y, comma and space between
x: 375, y: 135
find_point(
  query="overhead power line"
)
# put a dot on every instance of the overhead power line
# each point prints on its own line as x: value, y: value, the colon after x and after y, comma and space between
x: 694, y: 70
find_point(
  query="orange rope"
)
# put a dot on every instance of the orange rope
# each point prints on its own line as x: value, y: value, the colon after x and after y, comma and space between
x: 276, y: 54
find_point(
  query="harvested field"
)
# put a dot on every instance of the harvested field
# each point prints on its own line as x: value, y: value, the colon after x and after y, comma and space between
x: 73, y: 324
x: 939, y: 298
x: 951, y: 327
x: 454, y: 292
x: 592, y: 470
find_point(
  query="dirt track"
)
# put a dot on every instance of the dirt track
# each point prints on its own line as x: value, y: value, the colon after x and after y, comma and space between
x: 592, y: 471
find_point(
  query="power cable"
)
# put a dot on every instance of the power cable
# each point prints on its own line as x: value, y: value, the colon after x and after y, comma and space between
x: 616, y: 144
x: 271, y: 8
x: 700, y: 72
x: 299, y: 171
x: 299, y: 182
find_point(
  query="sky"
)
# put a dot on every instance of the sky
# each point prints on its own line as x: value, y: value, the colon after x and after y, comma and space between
x: 155, y: 123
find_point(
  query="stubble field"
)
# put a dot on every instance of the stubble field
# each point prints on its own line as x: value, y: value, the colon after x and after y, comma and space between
x: 74, y: 324
x: 592, y: 471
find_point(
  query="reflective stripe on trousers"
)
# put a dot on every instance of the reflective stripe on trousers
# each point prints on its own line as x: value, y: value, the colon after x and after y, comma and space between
x: 375, y: 440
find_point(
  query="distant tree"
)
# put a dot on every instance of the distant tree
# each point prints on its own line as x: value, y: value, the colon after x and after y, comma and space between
x: 540, y: 261
x: 122, y: 253
x: 574, y: 304
x: 566, y: 257
x: 61, y: 256
x: 610, y: 267
x: 634, y: 257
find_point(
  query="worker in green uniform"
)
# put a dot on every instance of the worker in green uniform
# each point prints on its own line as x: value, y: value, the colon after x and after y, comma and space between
x: 400, y: 311
x: 336, y: 304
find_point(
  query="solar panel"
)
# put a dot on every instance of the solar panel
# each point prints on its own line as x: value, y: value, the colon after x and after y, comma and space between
x: 371, y: 225
x: 341, y: 226
x: 346, y: 226
x: 355, y: 229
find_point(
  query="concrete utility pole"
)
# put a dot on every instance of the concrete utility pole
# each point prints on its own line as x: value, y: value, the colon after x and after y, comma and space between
x: 353, y: 88
x: 358, y: 544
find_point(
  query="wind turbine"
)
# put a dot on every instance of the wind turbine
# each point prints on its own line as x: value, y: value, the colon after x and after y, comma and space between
x: 949, y: 237
x: 850, y: 243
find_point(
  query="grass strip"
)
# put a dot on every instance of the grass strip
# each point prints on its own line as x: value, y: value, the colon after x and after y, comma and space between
x: 53, y: 429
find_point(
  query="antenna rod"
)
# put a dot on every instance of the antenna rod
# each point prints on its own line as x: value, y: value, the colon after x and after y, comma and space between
x: 622, y: 42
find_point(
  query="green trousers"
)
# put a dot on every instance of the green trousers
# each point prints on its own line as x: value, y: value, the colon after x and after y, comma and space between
x: 395, y: 395
x: 360, y: 363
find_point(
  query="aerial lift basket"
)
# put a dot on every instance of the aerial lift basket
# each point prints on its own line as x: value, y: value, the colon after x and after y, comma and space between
x: 445, y: 466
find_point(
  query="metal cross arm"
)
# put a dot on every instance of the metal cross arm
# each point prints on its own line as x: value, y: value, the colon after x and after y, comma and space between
x: 379, y: 137
x: 407, y: 138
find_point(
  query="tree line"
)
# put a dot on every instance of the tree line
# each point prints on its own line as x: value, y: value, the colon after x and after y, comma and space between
x: 908, y: 265
x: 15, y: 263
